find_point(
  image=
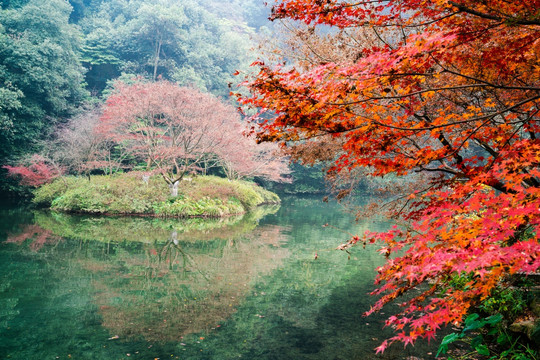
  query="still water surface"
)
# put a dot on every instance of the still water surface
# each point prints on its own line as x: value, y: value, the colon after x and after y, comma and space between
x: 80, y: 287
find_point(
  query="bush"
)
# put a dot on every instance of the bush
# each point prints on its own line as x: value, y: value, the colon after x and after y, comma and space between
x: 488, y: 332
x: 205, y: 207
x: 205, y: 196
x: 248, y: 193
x: 44, y: 195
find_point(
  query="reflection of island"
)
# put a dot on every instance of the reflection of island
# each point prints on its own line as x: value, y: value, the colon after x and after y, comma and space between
x: 148, y: 229
x: 164, y: 278
x: 177, y: 289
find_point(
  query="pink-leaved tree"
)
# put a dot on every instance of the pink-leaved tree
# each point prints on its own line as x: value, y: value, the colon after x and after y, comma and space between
x: 179, y: 130
x: 35, y: 171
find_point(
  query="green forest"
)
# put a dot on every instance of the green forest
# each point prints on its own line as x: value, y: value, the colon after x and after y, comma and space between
x: 60, y: 62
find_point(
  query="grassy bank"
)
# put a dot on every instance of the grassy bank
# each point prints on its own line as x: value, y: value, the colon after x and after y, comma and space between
x: 128, y: 194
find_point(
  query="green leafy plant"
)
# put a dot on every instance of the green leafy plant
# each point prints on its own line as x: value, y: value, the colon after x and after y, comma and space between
x: 473, y: 323
x: 507, y: 301
x: 515, y: 350
x: 485, y: 336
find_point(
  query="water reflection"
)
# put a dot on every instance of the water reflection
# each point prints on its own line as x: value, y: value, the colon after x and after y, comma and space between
x: 162, y: 279
x: 148, y: 229
x: 85, y: 287
x: 37, y: 235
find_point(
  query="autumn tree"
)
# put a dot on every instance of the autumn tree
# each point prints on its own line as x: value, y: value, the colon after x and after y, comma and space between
x: 176, y: 130
x: 449, y: 88
x: 35, y: 170
x: 243, y: 157
x: 82, y: 149
x: 74, y: 148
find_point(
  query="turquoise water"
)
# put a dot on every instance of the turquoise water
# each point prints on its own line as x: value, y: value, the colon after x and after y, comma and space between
x: 79, y: 287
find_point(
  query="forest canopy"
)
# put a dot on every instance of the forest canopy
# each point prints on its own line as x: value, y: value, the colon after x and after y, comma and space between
x: 57, y: 58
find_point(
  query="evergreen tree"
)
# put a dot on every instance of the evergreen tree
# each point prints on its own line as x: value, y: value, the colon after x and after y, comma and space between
x: 41, y: 78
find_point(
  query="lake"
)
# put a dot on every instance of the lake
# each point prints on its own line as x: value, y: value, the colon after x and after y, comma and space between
x: 268, y: 285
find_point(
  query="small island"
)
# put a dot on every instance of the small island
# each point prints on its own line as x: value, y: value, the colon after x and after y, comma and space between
x: 136, y: 194
x: 154, y: 149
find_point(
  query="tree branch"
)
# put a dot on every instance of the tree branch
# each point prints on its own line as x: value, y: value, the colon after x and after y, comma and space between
x: 510, y: 20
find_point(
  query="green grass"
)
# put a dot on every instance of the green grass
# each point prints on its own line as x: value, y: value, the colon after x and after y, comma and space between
x: 205, y: 196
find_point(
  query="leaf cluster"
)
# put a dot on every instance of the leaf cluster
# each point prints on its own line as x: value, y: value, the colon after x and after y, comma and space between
x: 445, y: 89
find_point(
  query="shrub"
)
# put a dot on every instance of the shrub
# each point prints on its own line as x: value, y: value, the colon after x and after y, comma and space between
x: 205, y: 196
x: 44, y: 195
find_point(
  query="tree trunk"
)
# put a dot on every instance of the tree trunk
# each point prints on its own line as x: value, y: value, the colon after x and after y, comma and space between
x: 156, y: 58
x: 174, y: 237
x: 174, y: 188
x: 146, y: 179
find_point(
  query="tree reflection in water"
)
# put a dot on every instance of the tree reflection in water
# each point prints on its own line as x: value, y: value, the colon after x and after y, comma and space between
x: 37, y: 236
x: 162, y: 279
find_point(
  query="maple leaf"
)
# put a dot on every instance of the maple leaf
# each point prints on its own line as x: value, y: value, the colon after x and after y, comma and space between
x: 450, y: 92
x: 382, y: 347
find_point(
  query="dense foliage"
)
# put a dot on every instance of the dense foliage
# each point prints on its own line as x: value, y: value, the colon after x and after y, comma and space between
x: 41, y: 77
x: 445, y: 88
x: 128, y: 194
x: 57, y: 55
x: 183, y: 41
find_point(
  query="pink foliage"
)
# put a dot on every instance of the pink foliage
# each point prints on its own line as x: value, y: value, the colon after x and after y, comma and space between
x: 467, y: 229
x: 245, y: 158
x: 37, y: 173
x: 179, y: 130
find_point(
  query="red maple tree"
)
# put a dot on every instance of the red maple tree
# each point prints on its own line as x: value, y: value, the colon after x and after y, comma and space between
x: 35, y: 171
x: 179, y: 130
x: 447, y: 87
